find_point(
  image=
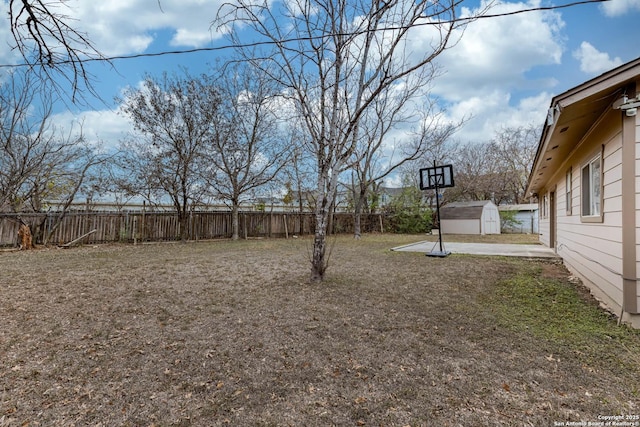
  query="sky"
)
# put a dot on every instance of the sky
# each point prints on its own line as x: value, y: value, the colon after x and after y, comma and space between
x: 503, y: 72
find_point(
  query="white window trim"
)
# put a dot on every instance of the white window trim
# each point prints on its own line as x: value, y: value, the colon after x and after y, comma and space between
x: 569, y: 192
x: 587, y: 168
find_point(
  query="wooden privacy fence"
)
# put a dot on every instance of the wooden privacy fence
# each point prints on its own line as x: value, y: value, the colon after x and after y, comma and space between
x: 142, y: 226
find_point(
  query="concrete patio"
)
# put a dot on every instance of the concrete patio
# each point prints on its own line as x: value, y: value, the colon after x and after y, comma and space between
x: 499, y: 249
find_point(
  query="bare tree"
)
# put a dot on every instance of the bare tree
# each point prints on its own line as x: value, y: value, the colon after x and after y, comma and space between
x: 334, y: 59
x: 34, y: 154
x: 38, y: 162
x: 516, y: 149
x: 174, y: 118
x: 498, y: 169
x: 50, y: 45
x: 78, y: 177
x: 477, y: 173
x: 27, y: 143
x: 247, y: 148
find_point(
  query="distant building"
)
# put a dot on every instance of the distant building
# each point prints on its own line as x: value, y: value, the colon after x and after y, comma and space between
x: 480, y: 217
x: 526, y: 218
x: 387, y: 194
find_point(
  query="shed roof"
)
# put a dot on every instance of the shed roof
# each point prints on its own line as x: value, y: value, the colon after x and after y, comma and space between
x: 464, y: 210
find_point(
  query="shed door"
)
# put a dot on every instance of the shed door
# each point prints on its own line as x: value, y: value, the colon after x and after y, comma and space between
x: 491, y: 219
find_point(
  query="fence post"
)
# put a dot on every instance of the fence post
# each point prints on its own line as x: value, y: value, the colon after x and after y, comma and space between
x: 144, y: 223
x: 286, y: 229
x: 244, y: 220
x: 135, y: 234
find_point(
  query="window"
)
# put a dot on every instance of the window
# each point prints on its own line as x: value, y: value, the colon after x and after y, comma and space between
x: 568, y: 191
x: 591, y: 187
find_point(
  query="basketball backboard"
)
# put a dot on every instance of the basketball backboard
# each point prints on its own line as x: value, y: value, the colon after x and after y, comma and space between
x: 436, y: 177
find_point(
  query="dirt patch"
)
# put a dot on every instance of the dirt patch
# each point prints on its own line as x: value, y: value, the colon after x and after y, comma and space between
x: 232, y: 333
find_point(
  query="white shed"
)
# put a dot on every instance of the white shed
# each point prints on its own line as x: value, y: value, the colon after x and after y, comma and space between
x: 480, y: 217
x: 525, y: 220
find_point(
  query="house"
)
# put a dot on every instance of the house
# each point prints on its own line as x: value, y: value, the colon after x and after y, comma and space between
x: 525, y: 218
x: 586, y: 175
x: 388, y: 194
x: 470, y: 218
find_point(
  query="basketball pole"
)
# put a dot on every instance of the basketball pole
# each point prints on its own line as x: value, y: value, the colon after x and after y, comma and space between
x: 438, y: 211
x: 437, y: 177
x: 442, y: 253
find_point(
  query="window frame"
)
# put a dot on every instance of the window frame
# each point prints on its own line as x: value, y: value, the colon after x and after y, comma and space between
x: 569, y: 192
x: 587, y: 199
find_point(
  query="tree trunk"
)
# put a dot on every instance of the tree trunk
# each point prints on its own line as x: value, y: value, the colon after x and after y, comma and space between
x: 235, y: 221
x: 318, y: 262
x: 25, y: 237
x: 357, y: 214
x: 184, y: 226
x: 324, y: 202
x: 300, y: 211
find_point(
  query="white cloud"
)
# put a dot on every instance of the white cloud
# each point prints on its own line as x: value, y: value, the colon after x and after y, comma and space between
x: 497, y: 52
x: 186, y: 37
x: 105, y: 127
x: 490, y: 77
x: 593, y: 61
x: 118, y: 27
x: 613, y: 8
x: 489, y: 113
x: 128, y: 26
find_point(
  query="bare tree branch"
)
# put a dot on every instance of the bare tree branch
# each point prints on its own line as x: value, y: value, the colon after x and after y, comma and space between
x: 51, y: 46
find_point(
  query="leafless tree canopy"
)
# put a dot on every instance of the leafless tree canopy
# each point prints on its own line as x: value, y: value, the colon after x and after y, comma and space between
x: 378, y: 156
x: 247, y: 148
x: 495, y: 169
x: 174, y: 118
x: 498, y: 169
x: 35, y: 157
x: 38, y: 161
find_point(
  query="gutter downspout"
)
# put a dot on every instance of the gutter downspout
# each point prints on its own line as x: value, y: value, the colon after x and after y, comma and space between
x: 629, y: 226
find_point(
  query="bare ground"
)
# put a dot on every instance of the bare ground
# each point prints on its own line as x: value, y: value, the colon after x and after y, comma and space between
x: 232, y: 333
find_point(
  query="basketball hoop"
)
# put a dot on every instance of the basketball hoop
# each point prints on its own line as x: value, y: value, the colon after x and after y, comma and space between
x: 435, y: 178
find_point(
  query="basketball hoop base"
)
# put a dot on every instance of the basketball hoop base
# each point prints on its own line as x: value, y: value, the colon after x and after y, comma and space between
x: 439, y: 254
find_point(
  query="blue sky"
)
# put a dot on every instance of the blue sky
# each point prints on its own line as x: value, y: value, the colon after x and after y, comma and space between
x: 503, y: 72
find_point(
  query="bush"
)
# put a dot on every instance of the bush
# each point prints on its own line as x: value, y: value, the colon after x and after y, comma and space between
x: 509, y: 221
x: 410, y: 222
x: 407, y: 213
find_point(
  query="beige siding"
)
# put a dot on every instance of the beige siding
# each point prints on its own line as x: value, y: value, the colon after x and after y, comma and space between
x: 637, y: 204
x: 593, y: 251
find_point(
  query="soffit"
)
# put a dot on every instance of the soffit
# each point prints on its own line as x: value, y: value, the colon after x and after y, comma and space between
x: 572, y: 125
x: 575, y: 113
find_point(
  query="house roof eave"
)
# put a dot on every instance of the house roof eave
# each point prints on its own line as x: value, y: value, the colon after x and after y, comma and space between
x: 571, y: 117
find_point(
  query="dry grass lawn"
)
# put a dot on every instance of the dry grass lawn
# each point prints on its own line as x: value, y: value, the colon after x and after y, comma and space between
x: 232, y: 333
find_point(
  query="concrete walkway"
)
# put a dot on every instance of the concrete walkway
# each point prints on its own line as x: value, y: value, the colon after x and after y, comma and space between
x: 528, y: 251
